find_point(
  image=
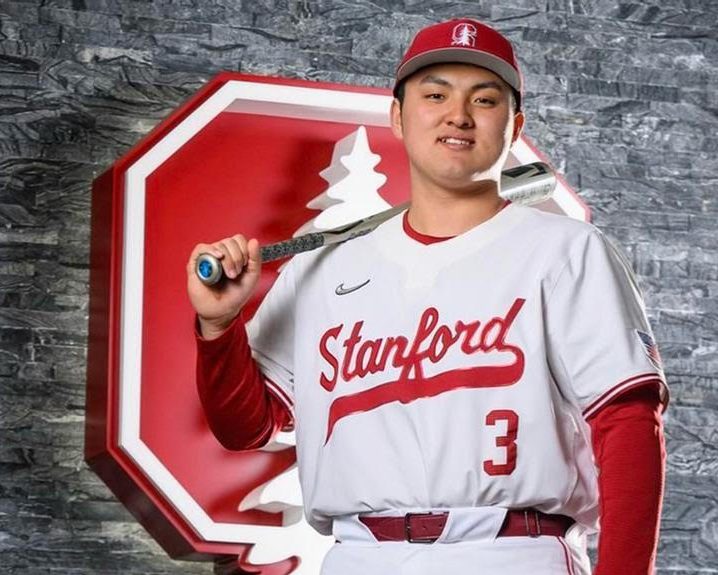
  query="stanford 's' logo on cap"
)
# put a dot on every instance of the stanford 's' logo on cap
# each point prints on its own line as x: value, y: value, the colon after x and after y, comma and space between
x: 464, y: 35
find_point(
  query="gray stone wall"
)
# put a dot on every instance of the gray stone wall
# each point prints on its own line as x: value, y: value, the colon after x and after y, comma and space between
x: 621, y: 95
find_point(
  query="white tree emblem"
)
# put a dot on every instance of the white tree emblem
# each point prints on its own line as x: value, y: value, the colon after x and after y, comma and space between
x: 464, y: 35
x: 352, y: 193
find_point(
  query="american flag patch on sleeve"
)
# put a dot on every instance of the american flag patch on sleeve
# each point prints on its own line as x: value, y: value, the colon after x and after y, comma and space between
x: 650, y: 347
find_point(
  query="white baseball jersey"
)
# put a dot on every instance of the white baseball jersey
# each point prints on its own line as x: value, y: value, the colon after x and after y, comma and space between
x: 456, y: 374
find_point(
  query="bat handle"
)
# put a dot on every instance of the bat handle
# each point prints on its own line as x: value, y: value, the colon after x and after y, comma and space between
x: 209, y: 269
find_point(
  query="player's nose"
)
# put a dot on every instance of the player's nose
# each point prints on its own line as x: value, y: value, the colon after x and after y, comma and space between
x: 458, y: 114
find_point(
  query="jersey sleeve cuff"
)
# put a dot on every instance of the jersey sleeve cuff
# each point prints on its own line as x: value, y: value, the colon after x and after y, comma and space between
x: 649, y: 378
x: 236, y: 328
x: 280, y: 394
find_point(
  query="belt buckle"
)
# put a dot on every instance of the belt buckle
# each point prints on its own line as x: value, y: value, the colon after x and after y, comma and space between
x: 407, y: 529
x: 537, y: 523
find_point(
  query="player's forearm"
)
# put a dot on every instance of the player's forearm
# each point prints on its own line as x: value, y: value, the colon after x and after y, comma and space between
x: 629, y: 446
x: 240, y: 411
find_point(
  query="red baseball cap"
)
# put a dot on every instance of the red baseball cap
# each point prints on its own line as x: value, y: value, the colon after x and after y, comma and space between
x: 464, y: 41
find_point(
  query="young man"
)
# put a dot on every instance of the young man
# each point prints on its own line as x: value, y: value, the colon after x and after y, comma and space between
x: 490, y: 388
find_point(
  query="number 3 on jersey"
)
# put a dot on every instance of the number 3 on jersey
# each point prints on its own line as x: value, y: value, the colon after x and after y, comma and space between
x: 508, y: 441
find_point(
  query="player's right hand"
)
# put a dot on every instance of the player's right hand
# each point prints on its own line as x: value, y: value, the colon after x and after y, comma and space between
x: 218, y: 305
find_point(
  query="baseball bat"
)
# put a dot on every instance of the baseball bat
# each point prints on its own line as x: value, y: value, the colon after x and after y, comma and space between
x: 526, y: 184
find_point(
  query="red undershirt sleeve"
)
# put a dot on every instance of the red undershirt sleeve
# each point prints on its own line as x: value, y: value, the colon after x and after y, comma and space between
x: 629, y: 447
x: 240, y: 410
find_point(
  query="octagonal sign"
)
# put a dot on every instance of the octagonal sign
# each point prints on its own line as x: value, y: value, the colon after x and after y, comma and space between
x: 270, y: 158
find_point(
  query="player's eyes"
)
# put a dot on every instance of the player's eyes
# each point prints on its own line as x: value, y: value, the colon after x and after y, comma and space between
x: 485, y: 101
x: 434, y: 96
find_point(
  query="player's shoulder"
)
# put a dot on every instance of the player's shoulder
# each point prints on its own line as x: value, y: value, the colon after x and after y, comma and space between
x: 561, y: 238
x: 554, y: 222
x: 554, y: 227
x: 558, y: 237
x: 347, y: 253
x: 386, y: 232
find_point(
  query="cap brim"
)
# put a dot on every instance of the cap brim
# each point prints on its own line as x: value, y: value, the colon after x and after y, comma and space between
x: 461, y: 56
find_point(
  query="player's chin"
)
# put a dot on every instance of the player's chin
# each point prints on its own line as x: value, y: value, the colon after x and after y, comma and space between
x: 490, y: 173
x: 490, y: 169
x: 468, y: 175
x: 466, y: 183
x: 464, y: 168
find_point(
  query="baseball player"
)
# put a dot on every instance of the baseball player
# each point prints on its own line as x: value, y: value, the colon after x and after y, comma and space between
x: 474, y: 385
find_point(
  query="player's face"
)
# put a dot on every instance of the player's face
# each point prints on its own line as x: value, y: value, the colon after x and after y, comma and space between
x: 457, y: 123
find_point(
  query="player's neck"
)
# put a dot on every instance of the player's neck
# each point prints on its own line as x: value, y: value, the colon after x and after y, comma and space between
x: 450, y: 214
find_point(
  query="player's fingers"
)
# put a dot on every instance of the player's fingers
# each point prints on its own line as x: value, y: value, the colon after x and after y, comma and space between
x: 254, y: 255
x: 234, y: 263
x: 241, y: 242
x: 236, y: 247
x: 228, y: 264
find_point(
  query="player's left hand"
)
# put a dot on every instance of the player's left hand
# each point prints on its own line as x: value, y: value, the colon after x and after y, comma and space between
x: 218, y: 305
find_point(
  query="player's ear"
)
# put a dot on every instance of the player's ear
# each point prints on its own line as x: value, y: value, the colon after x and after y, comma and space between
x: 518, y: 126
x: 395, y: 119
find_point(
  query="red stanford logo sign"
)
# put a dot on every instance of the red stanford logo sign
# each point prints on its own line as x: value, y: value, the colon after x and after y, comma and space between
x: 267, y: 157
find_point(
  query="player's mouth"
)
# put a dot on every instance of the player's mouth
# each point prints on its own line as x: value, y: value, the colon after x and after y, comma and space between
x: 456, y: 143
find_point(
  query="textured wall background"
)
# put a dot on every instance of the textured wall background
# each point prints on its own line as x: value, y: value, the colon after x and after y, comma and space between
x: 621, y: 95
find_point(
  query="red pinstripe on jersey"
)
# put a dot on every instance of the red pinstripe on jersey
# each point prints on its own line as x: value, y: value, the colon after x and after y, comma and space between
x: 280, y: 394
x: 621, y: 387
x: 567, y: 555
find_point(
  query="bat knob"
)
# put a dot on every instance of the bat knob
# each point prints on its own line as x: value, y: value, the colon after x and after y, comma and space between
x: 208, y: 269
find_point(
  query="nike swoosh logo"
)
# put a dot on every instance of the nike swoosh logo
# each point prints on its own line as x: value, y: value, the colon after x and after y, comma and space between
x: 341, y: 290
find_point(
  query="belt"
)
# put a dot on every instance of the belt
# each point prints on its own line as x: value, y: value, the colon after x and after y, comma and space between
x: 427, y: 527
